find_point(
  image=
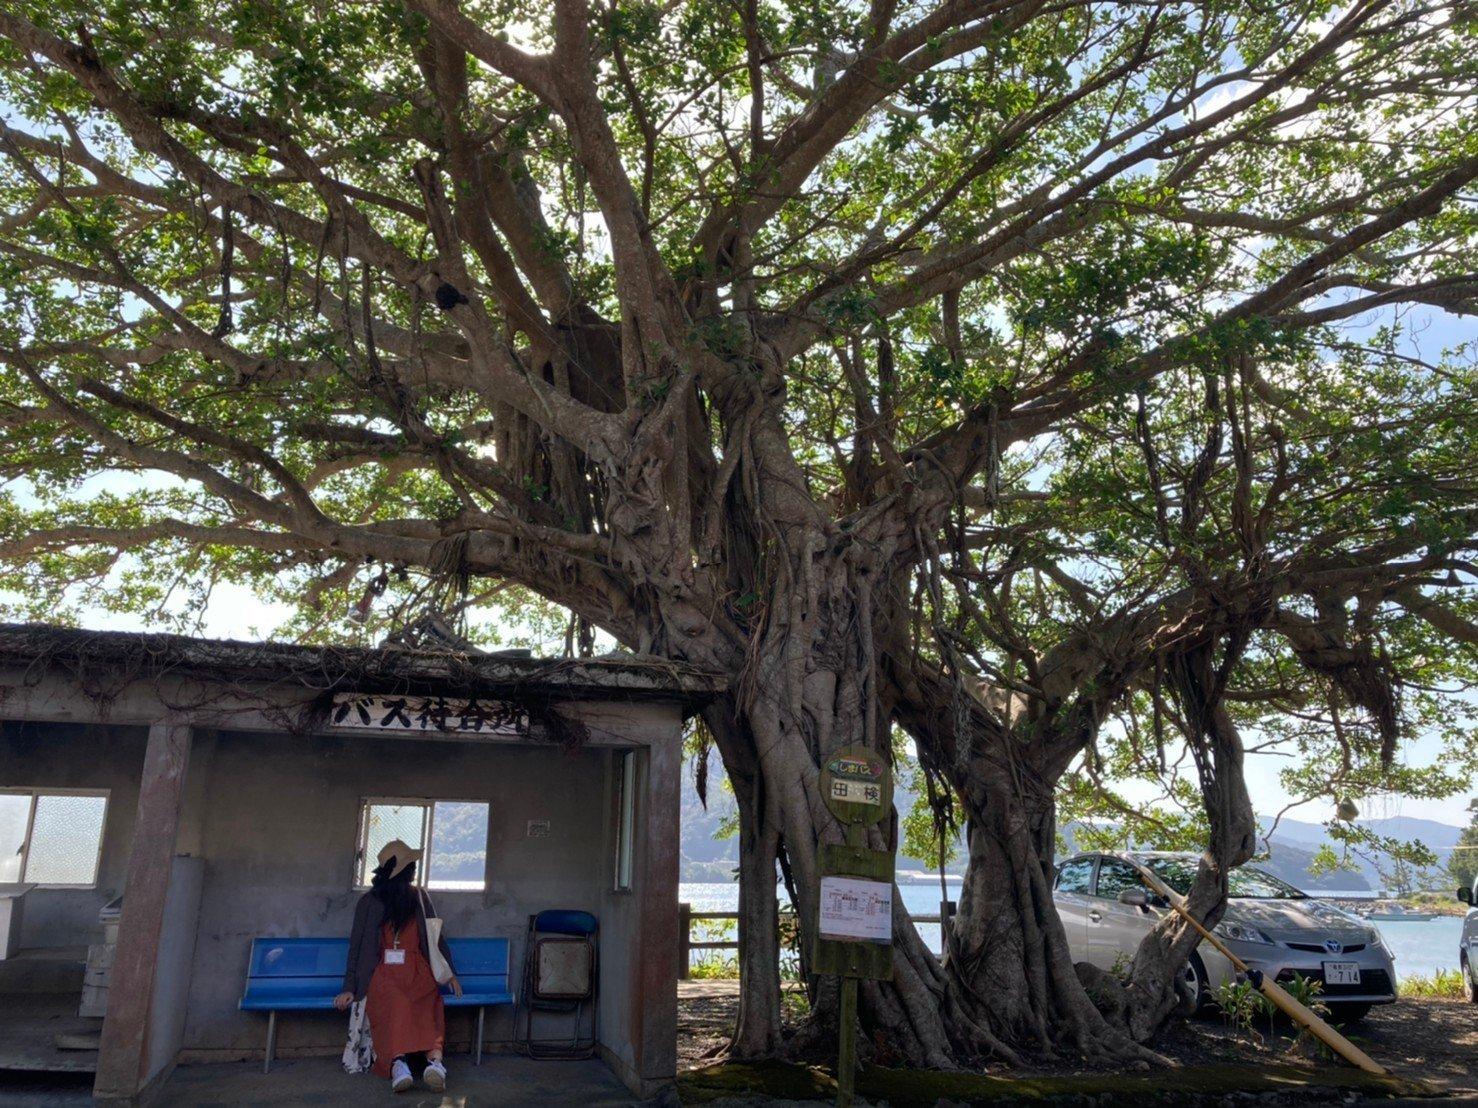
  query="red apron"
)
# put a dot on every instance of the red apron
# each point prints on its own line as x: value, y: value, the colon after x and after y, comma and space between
x: 406, y: 1015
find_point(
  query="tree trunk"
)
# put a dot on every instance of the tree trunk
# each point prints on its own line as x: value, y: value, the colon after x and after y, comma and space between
x: 810, y: 687
x: 1217, y: 747
x: 757, y: 1034
x: 1013, y: 986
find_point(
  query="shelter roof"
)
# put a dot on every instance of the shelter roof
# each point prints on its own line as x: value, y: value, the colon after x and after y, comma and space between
x: 36, y: 647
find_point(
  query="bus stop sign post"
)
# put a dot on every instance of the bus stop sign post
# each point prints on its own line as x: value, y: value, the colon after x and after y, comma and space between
x: 855, y: 933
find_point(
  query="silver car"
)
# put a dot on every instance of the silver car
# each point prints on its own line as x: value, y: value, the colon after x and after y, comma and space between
x: 1273, y: 927
x: 1467, y: 946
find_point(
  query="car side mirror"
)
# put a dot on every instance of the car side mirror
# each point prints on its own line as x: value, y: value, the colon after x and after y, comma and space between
x: 1465, y: 894
x: 1135, y: 898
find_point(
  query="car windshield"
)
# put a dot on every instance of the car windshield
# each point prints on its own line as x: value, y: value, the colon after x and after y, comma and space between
x: 1246, y: 882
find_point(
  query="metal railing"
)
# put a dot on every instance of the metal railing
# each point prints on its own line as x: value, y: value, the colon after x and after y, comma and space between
x: 686, y: 944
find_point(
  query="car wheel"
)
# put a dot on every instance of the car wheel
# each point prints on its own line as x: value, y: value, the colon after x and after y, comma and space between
x: 1470, y: 987
x: 1194, y: 975
x: 1348, y: 1013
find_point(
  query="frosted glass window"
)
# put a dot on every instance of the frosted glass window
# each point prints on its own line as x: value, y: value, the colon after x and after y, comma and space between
x: 51, y: 838
x: 66, y: 837
x: 384, y: 822
x: 15, y: 814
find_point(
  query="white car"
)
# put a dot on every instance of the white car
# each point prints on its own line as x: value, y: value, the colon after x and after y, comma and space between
x: 1467, y: 946
x: 1273, y: 927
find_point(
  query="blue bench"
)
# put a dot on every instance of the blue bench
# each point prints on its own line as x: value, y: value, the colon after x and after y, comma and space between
x: 304, y: 975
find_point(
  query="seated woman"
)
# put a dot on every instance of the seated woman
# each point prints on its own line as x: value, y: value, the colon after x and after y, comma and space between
x: 390, y: 963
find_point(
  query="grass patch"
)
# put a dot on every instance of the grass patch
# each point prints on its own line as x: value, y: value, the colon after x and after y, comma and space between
x: 925, y: 1088
x: 1444, y: 902
x: 1445, y: 984
x: 714, y: 969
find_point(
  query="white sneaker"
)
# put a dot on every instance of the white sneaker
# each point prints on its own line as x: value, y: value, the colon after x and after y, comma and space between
x: 400, y: 1076
x: 435, y: 1076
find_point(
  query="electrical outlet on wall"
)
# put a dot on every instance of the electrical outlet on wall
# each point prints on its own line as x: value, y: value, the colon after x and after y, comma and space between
x: 538, y: 829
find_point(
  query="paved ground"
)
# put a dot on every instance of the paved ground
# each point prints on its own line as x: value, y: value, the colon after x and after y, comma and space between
x: 507, y: 1081
x: 504, y: 1080
x: 29, y: 1026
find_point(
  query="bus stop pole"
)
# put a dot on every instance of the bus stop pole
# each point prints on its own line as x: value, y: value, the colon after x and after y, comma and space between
x: 847, y: 1029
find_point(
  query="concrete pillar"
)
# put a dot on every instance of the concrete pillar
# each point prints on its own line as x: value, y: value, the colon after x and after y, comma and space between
x: 123, y: 1053
x: 656, y: 952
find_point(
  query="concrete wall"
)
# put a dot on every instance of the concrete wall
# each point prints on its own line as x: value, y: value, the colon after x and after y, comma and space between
x: 620, y: 923
x: 173, y: 970
x: 277, y: 823
x: 75, y: 756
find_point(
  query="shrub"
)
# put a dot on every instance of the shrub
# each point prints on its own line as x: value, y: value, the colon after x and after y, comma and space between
x: 1307, y: 991
x: 1445, y: 983
x: 1240, y: 1005
x: 714, y: 969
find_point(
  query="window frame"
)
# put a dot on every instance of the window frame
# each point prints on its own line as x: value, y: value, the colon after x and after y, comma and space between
x: 35, y: 792
x: 428, y: 829
x: 626, y: 777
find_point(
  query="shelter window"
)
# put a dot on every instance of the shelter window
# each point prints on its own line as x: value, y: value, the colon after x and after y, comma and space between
x: 457, y: 831
x: 51, y: 837
x: 625, y: 818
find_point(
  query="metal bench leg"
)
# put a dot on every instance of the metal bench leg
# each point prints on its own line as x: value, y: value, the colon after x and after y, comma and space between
x: 271, y: 1041
x: 477, y: 1054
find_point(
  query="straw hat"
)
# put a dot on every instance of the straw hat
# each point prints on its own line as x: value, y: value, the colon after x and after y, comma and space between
x: 402, y: 853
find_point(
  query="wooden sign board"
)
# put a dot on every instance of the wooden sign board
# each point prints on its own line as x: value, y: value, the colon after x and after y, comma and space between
x: 857, y: 785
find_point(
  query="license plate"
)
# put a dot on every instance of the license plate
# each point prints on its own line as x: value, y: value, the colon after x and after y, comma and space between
x: 1341, y: 973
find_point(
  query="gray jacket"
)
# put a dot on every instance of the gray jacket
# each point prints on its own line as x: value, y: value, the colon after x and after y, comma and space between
x: 364, y: 942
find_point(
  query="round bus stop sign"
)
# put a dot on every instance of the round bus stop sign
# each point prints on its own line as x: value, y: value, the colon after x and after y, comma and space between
x: 857, y: 785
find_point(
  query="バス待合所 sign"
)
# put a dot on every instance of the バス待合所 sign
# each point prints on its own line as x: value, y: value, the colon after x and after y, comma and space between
x: 854, y: 909
x: 428, y: 713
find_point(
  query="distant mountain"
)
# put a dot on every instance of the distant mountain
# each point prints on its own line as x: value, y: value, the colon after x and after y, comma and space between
x: 1294, y: 842
x: 1292, y: 846
x: 1439, y: 836
x: 707, y: 857
x: 1291, y: 862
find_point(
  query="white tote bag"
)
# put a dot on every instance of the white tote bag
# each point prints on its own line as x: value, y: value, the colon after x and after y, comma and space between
x: 439, y: 967
x: 359, y: 1051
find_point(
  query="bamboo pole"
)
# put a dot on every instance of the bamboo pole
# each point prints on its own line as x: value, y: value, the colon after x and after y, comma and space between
x: 1270, y: 988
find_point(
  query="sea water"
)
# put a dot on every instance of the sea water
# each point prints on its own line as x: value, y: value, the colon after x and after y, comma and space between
x: 1421, y: 948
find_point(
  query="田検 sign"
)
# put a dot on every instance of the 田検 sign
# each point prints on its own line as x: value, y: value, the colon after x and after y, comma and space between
x: 857, y: 785
x: 856, y: 792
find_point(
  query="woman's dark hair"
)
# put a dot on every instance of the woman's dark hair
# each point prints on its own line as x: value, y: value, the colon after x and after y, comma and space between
x: 397, y: 893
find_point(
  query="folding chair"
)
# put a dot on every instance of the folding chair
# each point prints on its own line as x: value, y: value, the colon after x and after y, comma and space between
x: 560, y: 975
